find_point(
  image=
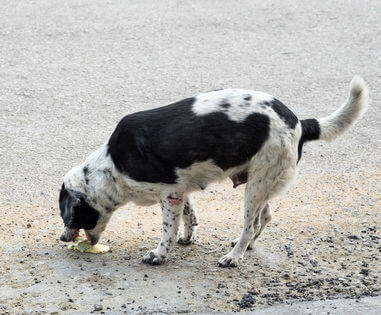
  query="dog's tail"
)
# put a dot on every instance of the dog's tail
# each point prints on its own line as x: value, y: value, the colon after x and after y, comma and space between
x: 328, y: 128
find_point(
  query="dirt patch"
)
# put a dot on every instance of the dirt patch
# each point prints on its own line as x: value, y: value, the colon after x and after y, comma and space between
x: 70, y: 70
x: 322, y: 243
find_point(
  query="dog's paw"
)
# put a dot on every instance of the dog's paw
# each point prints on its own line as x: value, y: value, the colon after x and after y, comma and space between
x: 228, y: 261
x: 152, y: 258
x: 249, y: 247
x: 184, y: 240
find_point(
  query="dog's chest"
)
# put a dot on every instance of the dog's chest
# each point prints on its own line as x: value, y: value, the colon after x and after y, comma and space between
x: 142, y: 196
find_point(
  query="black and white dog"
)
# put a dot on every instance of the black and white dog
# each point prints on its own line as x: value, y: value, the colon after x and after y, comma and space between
x: 164, y: 154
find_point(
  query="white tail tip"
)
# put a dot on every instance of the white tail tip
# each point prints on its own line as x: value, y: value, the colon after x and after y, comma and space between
x: 355, y: 106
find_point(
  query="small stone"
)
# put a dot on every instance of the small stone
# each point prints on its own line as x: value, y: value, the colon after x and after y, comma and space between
x: 98, y: 307
x: 247, y: 301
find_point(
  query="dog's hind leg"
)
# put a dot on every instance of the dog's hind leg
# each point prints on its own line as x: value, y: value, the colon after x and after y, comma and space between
x: 263, y: 183
x: 256, y: 197
x: 190, y: 223
x: 172, y: 204
x: 266, y: 217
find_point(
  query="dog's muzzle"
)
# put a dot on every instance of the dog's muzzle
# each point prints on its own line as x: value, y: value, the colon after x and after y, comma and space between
x: 69, y: 235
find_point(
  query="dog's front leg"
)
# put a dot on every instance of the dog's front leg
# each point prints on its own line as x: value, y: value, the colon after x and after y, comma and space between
x: 172, y: 205
x: 190, y: 223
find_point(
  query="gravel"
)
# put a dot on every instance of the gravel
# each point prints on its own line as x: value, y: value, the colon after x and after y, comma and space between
x: 69, y: 70
x: 97, y: 307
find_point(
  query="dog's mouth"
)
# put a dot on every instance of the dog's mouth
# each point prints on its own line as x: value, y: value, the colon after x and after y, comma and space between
x: 75, y: 236
x: 72, y: 235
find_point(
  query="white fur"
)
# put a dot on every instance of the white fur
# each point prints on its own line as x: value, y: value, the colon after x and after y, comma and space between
x: 355, y: 106
x: 207, y: 103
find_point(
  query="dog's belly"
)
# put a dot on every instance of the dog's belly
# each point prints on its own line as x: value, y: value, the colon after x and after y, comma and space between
x: 200, y: 174
x: 145, y: 202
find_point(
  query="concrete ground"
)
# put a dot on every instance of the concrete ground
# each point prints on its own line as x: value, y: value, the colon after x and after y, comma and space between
x: 69, y: 70
x: 367, y: 305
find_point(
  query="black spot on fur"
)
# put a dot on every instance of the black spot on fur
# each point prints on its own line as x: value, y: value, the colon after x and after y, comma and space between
x: 186, y: 210
x: 150, y: 145
x: 85, y: 173
x: 75, y: 211
x: 225, y: 104
x: 247, y: 98
x: 107, y: 173
x: 310, y: 131
x: 113, y: 202
x: 283, y: 112
x: 244, y: 104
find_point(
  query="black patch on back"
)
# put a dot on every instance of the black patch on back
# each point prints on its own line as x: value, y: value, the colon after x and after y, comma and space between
x: 310, y: 131
x: 247, y: 98
x: 148, y: 146
x: 75, y: 211
x: 283, y: 112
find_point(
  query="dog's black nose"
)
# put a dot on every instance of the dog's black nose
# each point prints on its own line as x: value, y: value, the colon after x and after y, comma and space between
x: 63, y: 238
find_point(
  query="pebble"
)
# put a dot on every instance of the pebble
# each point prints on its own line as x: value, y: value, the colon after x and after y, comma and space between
x: 289, y: 251
x: 248, y: 300
x: 335, y: 228
x: 98, y: 307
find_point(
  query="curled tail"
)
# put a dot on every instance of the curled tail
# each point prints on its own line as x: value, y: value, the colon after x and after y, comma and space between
x: 328, y: 128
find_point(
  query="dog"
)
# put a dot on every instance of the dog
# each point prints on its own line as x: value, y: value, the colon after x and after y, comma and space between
x: 164, y: 154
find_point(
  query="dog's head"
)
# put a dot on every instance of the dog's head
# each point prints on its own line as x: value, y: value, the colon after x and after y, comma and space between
x: 77, y: 214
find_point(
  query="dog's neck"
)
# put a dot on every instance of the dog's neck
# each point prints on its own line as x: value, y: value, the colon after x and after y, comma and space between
x: 104, y: 187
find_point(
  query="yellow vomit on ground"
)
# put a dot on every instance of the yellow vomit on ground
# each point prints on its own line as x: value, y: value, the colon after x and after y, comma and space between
x: 84, y: 246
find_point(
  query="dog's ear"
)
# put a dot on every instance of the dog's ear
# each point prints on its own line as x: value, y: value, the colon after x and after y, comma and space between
x: 84, y: 216
x: 68, y: 200
x: 75, y: 211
